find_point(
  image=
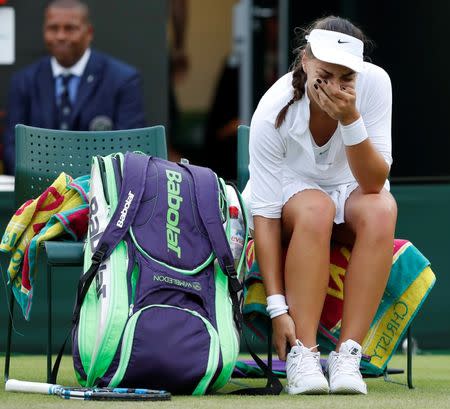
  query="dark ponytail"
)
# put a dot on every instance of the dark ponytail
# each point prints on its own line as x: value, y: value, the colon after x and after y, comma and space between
x: 331, y: 23
x: 298, y: 83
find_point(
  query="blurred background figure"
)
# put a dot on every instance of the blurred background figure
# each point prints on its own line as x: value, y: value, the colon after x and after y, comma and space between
x: 224, y: 115
x: 178, y: 66
x: 74, y: 87
x: 222, y: 120
x: 207, y: 43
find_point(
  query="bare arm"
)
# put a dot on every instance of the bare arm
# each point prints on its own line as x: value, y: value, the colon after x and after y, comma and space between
x: 267, y: 149
x: 367, y: 164
x: 268, y: 252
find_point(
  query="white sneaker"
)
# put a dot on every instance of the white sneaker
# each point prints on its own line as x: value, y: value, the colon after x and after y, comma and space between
x: 343, y: 370
x: 304, y: 372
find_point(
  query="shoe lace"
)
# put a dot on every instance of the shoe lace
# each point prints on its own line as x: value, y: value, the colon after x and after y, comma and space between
x: 309, y: 361
x: 348, y: 363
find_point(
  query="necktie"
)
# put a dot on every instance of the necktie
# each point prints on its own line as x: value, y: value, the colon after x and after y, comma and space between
x: 65, y: 106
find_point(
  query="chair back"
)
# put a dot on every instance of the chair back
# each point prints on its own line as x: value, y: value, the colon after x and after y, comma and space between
x: 242, y: 156
x: 42, y: 154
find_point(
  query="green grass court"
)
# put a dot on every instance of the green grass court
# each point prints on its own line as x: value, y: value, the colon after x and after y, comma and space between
x: 431, y: 376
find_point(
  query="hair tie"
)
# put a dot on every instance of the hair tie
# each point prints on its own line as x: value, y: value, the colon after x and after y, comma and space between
x: 291, y: 102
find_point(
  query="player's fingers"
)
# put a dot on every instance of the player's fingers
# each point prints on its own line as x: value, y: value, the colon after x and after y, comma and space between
x: 332, y: 89
x: 319, y: 85
x: 280, y: 347
x: 347, y: 91
x: 326, y: 104
x: 321, y: 96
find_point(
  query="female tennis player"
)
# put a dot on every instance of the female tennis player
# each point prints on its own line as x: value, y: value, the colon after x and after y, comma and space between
x: 320, y: 154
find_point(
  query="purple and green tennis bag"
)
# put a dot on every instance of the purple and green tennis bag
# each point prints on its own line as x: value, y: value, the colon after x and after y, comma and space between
x: 157, y: 306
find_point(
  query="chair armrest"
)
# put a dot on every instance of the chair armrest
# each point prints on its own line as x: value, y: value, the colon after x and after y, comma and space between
x: 65, y: 253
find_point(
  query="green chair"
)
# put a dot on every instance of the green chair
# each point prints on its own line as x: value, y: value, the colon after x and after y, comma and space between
x: 242, y: 178
x: 242, y: 156
x: 41, y: 155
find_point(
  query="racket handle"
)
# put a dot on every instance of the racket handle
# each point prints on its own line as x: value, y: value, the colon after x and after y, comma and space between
x: 13, y: 385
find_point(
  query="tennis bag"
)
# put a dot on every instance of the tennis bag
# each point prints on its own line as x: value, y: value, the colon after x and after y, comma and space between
x: 157, y: 306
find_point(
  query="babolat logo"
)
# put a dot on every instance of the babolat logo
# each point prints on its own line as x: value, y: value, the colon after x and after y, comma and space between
x: 195, y: 285
x: 173, y: 214
x: 124, y: 211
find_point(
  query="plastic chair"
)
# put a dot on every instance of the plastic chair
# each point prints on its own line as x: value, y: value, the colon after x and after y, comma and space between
x: 242, y: 178
x: 242, y: 156
x: 41, y: 155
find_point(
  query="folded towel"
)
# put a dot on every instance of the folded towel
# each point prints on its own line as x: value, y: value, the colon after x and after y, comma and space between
x: 61, y: 209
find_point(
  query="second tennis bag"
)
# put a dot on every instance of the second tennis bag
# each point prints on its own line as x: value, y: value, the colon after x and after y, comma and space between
x: 157, y: 306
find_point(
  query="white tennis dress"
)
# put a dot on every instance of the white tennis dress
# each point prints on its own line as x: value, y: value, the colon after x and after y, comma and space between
x: 286, y: 160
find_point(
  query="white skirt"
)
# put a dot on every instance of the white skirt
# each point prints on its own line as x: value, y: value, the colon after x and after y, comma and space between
x: 338, y: 194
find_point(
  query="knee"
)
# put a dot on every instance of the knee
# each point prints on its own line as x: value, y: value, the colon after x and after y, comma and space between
x: 377, y: 216
x: 316, y: 218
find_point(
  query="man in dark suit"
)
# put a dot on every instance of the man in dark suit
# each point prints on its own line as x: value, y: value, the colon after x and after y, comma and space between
x: 75, y: 87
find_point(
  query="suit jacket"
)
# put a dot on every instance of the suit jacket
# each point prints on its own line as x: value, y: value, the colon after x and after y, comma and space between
x: 109, y: 96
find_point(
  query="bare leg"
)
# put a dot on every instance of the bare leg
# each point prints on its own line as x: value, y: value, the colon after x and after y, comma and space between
x: 307, y: 221
x: 372, y: 218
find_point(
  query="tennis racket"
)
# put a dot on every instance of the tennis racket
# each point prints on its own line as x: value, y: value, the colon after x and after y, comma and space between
x: 129, y: 394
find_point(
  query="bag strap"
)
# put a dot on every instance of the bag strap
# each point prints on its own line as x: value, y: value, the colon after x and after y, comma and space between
x: 207, y: 191
x: 131, y: 191
x: 273, y: 385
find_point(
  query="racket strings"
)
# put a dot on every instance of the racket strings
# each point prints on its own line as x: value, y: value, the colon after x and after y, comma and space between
x: 119, y: 394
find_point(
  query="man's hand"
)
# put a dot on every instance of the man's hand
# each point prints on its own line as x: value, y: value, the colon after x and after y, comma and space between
x: 283, y: 334
x: 339, y: 102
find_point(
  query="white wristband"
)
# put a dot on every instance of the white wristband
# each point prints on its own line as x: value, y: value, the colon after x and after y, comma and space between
x: 276, y: 305
x: 353, y: 133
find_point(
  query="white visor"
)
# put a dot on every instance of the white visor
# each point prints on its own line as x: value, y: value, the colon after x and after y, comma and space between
x: 337, y: 48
